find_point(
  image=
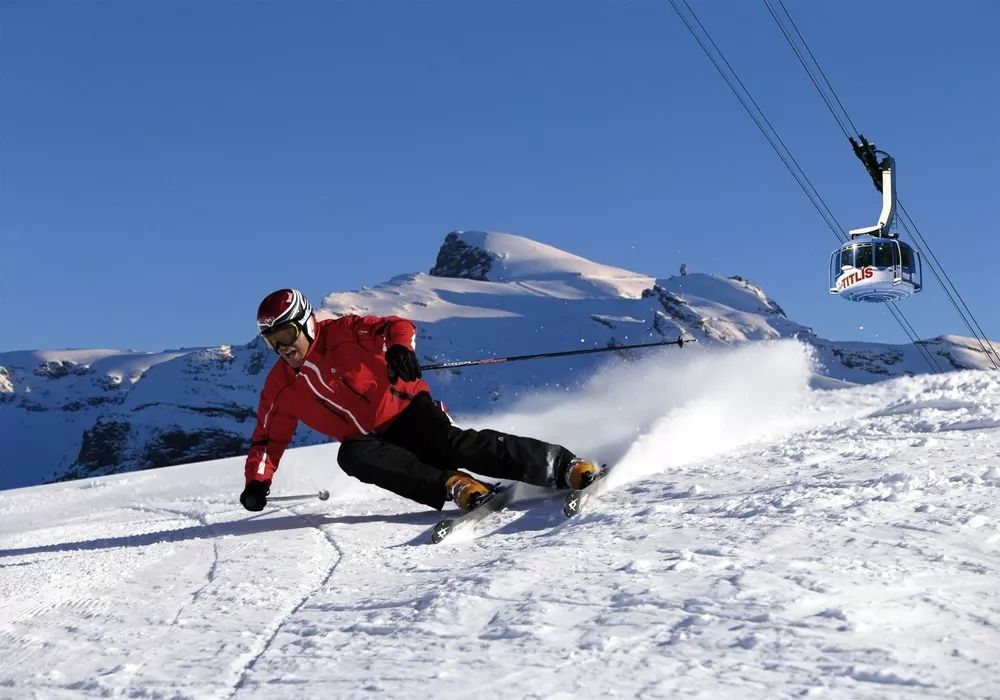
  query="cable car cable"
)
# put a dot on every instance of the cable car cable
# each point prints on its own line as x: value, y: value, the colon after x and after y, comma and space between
x: 911, y: 333
x: 827, y: 214
x: 805, y: 44
x: 948, y: 288
x: 812, y: 78
x: 786, y: 156
x: 800, y: 177
x: 980, y: 336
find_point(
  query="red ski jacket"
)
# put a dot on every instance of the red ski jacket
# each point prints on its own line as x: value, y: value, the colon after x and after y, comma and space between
x: 342, y: 388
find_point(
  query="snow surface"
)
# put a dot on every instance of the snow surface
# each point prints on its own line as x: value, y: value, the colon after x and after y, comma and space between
x: 765, y: 539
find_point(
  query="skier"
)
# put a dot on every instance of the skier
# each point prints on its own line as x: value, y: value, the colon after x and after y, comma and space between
x: 357, y: 379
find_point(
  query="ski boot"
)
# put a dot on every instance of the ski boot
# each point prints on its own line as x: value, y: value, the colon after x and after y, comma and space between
x: 465, y: 491
x: 579, y: 473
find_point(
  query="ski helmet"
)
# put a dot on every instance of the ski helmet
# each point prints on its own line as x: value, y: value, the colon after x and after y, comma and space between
x: 283, y: 307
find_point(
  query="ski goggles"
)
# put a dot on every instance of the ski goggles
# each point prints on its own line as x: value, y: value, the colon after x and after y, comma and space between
x: 283, y: 335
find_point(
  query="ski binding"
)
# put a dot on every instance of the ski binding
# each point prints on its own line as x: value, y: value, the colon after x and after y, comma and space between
x: 499, y: 497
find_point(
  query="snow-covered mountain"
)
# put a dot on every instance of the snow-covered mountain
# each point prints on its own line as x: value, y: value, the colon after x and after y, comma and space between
x: 765, y: 539
x: 78, y: 413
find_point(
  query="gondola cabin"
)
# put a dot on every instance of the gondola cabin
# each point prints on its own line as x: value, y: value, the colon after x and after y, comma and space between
x: 875, y: 269
x: 874, y: 265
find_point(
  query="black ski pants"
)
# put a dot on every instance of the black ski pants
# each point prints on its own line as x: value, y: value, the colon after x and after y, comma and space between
x: 420, y: 449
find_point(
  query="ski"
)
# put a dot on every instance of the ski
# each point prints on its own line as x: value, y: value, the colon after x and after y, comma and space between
x: 493, y: 503
x: 577, y: 498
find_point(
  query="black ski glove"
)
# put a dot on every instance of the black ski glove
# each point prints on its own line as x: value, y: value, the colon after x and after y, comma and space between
x: 254, y: 496
x: 403, y: 364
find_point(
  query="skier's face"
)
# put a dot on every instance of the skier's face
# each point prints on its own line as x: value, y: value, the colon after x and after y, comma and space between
x: 295, y: 353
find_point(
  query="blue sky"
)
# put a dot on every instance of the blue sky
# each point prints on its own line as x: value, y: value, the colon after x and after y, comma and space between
x: 167, y: 164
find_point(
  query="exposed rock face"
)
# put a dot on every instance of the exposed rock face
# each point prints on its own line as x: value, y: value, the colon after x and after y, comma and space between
x: 258, y: 360
x: 112, y: 446
x: 181, y: 447
x: 456, y: 258
x: 82, y: 413
x: 103, y: 446
x: 876, y: 363
x: 6, y: 385
x: 56, y: 369
x: 674, y: 306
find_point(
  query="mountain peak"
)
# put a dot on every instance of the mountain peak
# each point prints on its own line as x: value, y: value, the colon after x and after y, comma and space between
x: 458, y: 257
x: 505, y: 257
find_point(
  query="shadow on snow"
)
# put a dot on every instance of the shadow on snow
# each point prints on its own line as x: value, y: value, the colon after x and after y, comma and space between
x: 248, y: 526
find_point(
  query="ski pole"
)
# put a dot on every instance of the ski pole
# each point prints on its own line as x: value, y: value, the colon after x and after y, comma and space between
x: 322, y: 495
x: 498, y: 360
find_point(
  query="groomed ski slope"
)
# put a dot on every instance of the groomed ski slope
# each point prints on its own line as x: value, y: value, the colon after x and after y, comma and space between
x: 765, y: 539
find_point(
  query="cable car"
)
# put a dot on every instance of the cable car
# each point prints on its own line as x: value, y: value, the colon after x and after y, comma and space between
x: 874, y: 265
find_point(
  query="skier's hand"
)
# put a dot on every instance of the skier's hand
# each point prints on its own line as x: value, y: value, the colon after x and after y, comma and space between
x: 254, y: 496
x: 403, y: 364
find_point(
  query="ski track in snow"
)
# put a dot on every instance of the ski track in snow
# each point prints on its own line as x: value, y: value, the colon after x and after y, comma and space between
x: 759, y: 540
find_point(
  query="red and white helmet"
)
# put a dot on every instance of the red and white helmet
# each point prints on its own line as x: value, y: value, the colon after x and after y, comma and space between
x: 286, y: 306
